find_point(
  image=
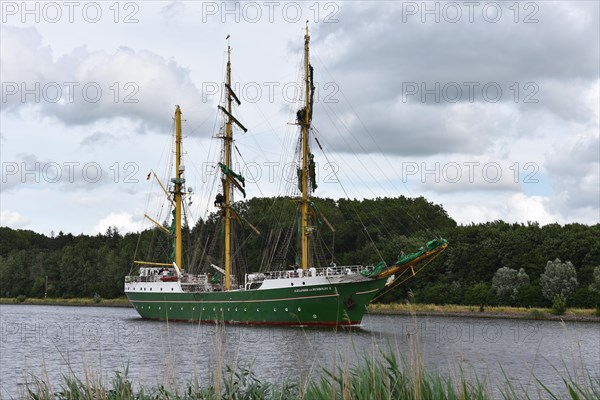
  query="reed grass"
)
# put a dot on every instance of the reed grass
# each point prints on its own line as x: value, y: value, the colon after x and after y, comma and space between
x: 385, y: 378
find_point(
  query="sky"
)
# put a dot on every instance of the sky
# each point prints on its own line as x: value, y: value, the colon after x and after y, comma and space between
x: 490, y: 109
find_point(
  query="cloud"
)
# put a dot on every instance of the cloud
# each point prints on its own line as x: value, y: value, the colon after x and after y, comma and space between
x: 411, y: 82
x: 84, y: 86
x: 515, y: 208
x: 574, y: 168
x: 98, y: 138
x: 28, y: 169
x: 122, y: 220
x: 14, y: 220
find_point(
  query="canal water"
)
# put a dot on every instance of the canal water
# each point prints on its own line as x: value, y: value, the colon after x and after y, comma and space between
x: 52, y: 341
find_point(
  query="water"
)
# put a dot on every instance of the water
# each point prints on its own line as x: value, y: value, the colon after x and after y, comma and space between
x: 52, y: 341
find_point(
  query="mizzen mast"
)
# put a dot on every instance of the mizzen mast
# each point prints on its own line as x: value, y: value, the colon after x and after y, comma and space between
x: 304, y: 119
x: 178, y: 182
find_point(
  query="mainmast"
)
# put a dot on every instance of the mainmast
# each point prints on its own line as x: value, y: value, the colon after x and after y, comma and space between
x: 230, y: 177
x: 305, y: 124
x: 227, y: 185
x: 178, y: 182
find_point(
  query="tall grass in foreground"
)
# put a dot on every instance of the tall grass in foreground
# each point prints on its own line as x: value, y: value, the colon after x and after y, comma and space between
x: 386, y: 378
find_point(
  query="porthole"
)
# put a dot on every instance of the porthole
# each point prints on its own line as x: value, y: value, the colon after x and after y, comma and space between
x: 299, y: 309
x: 170, y: 308
x: 171, y: 289
x: 181, y: 308
x: 149, y: 307
x: 314, y: 316
x: 286, y: 310
x: 159, y: 307
x: 258, y: 309
x: 193, y: 308
x: 228, y: 310
x: 202, y: 308
x: 274, y: 310
x: 304, y: 283
x: 292, y: 283
x: 161, y: 289
x: 244, y: 310
x: 236, y: 309
x: 214, y: 309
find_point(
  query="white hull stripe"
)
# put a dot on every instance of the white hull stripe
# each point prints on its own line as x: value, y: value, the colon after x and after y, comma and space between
x: 231, y: 301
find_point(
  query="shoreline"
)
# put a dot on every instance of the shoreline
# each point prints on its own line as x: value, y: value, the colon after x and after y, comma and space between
x: 118, y: 302
x: 541, y: 314
x: 533, y: 314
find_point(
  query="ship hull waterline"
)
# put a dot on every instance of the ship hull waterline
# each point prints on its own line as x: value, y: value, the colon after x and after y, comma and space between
x: 321, y: 305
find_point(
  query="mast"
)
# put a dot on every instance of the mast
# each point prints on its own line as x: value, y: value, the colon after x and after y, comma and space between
x: 305, y: 229
x: 230, y: 178
x: 227, y: 185
x: 178, y: 181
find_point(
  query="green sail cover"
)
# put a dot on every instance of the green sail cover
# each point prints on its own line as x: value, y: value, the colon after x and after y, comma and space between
x: 429, y: 246
x: 312, y: 174
x: 238, y: 180
x: 216, y: 278
x: 312, y: 171
x: 379, y: 267
x: 172, y: 232
x: 314, y: 208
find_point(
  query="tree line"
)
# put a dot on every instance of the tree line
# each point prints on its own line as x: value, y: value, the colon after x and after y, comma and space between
x: 485, y: 264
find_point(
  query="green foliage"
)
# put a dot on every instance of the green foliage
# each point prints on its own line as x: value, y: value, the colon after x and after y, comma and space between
x: 507, y: 282
x: 559, y: 304
x: 480, y: 294
x: 595, y: 285
x: 21, y: 298
x: 558, y: 279
x: 81, y: 266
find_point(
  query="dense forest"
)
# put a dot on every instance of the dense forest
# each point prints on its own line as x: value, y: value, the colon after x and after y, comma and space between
x: 366, y: 231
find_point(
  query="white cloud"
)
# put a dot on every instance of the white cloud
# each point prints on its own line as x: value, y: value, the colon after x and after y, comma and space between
x: 84, y: 86
x: 122, y: 220
x: 14, y: 220
x: 515, y: 208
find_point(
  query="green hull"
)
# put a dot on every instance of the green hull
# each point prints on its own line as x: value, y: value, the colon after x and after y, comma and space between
x: 322, y: 305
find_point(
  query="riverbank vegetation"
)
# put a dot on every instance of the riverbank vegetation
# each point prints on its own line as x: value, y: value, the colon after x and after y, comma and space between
x: 381, y: 376
x: 490, y: 264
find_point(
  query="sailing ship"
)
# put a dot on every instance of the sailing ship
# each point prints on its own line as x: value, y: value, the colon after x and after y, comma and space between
x: 306, y: 295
